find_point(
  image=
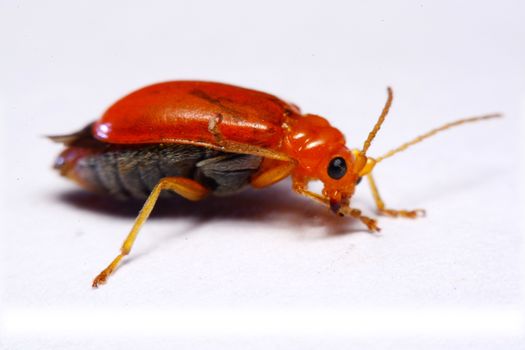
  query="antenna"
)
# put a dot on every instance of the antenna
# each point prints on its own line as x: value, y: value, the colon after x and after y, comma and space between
x: 380, y: 121
x: 433, y: 132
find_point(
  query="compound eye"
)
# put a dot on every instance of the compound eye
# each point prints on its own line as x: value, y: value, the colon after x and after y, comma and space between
x: 337, y: 168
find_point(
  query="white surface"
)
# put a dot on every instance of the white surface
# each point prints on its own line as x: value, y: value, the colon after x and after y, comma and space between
x: 267, y: 269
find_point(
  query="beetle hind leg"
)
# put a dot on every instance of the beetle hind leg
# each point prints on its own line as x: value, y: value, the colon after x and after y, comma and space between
x: 186, y: 188
x: 381, y: 208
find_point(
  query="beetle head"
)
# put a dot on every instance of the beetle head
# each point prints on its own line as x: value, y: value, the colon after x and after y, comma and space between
x: 340, y: 173
x: 321, y: 154
x: 340, y: 192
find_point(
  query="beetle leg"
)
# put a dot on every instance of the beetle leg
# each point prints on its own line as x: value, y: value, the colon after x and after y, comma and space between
x: 271, y: 174
x: 312, y: 195
x: 371, y: 224
x: 412, y: 214
x: 300, y: 185
x: 187, y: 188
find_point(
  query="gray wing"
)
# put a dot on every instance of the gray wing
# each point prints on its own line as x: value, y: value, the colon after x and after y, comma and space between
x: 228, y: 173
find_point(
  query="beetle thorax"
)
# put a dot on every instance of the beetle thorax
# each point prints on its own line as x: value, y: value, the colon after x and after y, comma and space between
x: 310, y: 140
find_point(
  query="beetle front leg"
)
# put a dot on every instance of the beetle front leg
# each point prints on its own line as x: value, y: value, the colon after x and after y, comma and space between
x: 300, y: 186
x: 411, y: 214
x: 271, y: 171
x: 370, y: 223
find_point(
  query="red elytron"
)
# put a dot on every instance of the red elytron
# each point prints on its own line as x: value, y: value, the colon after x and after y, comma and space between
x: 199, y: 138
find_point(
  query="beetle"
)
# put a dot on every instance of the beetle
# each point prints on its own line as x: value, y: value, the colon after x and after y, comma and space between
x: 198, y: 138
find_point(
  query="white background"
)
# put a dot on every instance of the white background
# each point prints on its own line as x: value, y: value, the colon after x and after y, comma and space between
x: 267, y: 269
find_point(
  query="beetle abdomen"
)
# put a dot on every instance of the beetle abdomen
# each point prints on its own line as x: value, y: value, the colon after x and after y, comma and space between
x: 132, y: 171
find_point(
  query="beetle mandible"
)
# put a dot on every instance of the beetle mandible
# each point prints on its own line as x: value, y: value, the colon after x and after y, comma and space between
x: 199, y: 138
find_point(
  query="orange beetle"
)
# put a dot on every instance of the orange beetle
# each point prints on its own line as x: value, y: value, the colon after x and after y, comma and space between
x: 198, y: 138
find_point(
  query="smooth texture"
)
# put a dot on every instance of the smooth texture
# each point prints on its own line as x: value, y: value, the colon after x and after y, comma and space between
x: 182, y: 110
x: 267, y: 269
